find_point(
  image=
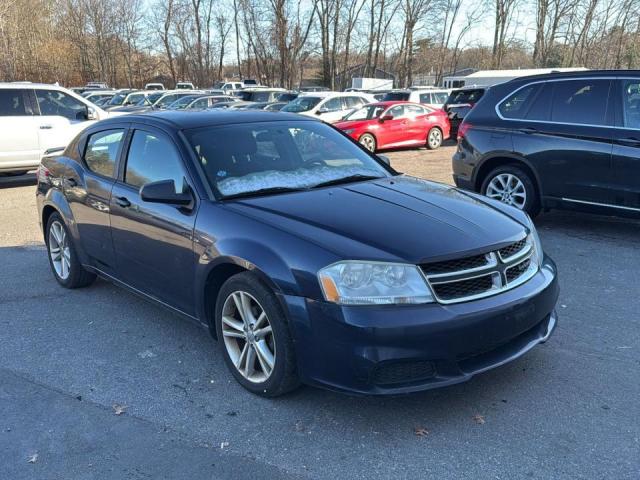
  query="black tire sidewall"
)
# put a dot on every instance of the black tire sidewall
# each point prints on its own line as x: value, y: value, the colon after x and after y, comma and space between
x: 76, y: 271
x: 532, y: 204
x: 280, y: 381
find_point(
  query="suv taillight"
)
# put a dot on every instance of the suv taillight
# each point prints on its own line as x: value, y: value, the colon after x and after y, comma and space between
x: 43, y: 174
x: 463, y: 129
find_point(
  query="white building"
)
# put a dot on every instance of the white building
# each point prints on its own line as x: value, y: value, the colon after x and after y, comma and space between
x: 485, y: 78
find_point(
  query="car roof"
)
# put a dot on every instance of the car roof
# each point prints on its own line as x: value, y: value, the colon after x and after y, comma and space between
x: 330, y: 94
x: 195, y: 119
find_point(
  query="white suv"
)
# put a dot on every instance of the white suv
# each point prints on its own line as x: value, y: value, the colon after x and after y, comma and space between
x: 432, y: 97
x: 328, y: 106
x: 36, y: 117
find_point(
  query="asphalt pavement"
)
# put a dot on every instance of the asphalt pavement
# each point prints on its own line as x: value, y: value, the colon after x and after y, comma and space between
x: 100, y: 384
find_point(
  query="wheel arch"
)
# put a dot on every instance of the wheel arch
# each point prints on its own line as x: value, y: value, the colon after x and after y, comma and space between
x: 490, y: 163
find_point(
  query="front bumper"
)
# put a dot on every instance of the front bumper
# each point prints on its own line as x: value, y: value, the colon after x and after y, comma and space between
x: 401, y: 349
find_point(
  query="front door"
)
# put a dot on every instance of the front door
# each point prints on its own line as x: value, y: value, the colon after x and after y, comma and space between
x: 393, y: 132
x: 564, y: 130
x: 153, y: 242
x: 626, y: 147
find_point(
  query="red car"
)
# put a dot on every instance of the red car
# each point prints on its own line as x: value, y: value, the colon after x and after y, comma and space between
x: 396, y: 124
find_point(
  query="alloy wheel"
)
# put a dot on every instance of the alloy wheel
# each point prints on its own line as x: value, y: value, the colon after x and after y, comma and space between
x: 435, y: 138
x: 248, y: 337
x: 509, y: 189
x: 59, y: 250
x: 368, y: 142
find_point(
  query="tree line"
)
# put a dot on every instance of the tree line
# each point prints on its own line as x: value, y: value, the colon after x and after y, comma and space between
x: 283, y: 42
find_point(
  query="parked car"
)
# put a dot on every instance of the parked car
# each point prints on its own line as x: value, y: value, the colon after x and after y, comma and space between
x: 154, y: 86
x: 560, y: 140
x: 183, y: 102
x: 171, y: 96
x: 185, y: 86
x: 208, y: 101
x: 460, y: 103
x: 432, y: 97
x: 97, y: 85
x: 378, y: 126
x: 119, y: 98
x: 313, y: 89
x: 143, y: 104
x: 36, y: 117
x: 250, y: 82
x: 328, y: 106
x: 275, y: 106
x: 224, y: 105
x: 294, y: 272
x: 98, y: 95
x: 287, y: 96
x: 260, y: 94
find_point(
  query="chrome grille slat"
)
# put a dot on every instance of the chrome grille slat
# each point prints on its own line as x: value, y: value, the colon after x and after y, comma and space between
x: 484, y: 275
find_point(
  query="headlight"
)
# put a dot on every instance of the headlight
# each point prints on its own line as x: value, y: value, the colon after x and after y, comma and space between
x: 373, y: 283
x: 348, y: 131
x: 537, y: 255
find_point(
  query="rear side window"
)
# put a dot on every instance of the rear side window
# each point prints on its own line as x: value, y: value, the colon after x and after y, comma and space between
x: 333, y: 104
x: 580, y: 101
x: 153, y: 158
x: 12, y: 103
x: 518, y: 104
x: 631, y: 103
x: 353, y: 102
x: 425, y: 98
x: 54, y: 102
x: 102, y: 151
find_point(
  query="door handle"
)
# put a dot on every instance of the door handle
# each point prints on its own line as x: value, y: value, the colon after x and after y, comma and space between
x: 46, y: 127
x: 631, y: 142
x: 528, y: 130
x: 123, y: 202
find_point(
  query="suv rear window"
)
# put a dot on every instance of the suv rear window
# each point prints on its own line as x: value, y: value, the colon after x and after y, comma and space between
x: 396, y: 97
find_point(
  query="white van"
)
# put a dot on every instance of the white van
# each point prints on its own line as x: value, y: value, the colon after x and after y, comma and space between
x: 36, y: 117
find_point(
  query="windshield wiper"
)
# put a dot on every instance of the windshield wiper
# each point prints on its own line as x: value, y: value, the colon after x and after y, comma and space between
x: 349, y: 179
x: 262, y: 191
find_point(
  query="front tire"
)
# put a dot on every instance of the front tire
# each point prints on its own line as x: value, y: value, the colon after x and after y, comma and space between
x: 434, y: 138
x: 254, y: 336
x: 368, y: 141
x: 63, y: 258
x: 510, y: 184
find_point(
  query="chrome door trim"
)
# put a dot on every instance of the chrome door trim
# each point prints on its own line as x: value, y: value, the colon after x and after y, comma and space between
x: 608, y: 205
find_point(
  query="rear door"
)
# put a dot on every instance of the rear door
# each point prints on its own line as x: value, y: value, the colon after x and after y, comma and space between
x: 626, y: 144
x: 19, y: 147
x: 564, y: 129
x: 153, y: 242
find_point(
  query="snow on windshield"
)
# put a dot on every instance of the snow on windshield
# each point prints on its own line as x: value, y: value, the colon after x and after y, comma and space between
x: 298, y: 178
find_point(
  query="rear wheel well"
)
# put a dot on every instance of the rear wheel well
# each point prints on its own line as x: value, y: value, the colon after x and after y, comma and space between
x: 489, y: 165
x: 46, y: 213
x: 216, y: 278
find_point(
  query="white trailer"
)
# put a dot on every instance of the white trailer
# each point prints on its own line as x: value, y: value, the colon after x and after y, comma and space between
x: 371, y: 84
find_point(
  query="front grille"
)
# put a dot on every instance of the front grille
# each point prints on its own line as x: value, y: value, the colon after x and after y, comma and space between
x: 515, y: 272
x: 403, y: 372
x: 463, y: 288
x: 472, y: 277
x: 510, y: 250
x: 456, y: 265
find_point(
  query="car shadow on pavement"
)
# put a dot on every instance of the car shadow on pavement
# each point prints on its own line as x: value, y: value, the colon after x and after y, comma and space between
x: 12, y: 181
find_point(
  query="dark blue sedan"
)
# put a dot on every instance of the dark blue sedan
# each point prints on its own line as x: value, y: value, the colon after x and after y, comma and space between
x: 310, y: 259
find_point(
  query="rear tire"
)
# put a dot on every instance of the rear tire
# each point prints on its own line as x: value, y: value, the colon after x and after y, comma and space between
x: 434, y: 138
x: 254, y: 336
x: 63, y: 258
x: 368, y: 141
x: 512, y: 185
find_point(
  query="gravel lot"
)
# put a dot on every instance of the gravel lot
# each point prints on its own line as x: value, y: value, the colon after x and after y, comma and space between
x: 567, y: 410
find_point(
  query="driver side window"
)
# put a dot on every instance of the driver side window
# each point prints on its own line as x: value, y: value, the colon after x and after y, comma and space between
x: 54, y: 102
x: 397, y: 111
x: 152, y: 158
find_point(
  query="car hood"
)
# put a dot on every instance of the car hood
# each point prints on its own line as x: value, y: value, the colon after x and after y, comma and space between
x: 354, y: 124
x: 395, y: 219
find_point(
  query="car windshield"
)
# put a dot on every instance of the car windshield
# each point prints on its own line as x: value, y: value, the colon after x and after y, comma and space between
x: 396, y: 97
x: 465, y: 96
x: 287, y: 97
x: 301, y: 104
x: 247, y: 159
x: 118, y: 99
x: 367, y: 112
x: 183, y: 102
x: 167, y: 100
x: 149, y: 99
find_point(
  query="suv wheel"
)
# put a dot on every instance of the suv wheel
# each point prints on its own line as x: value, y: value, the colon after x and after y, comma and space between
x: 254, y: 336
x: 511, y: 185
x: 434, y: 138
x: 63, y: 258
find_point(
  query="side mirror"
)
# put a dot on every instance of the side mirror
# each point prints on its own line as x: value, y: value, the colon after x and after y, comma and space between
x: 386, y: 118
x: 164, y: 191
x: 385, y: 159
x: 92, y: 114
